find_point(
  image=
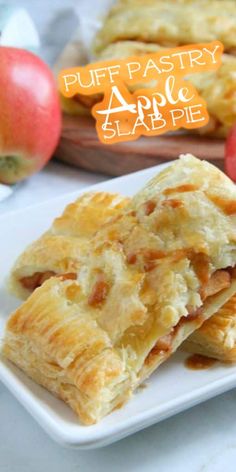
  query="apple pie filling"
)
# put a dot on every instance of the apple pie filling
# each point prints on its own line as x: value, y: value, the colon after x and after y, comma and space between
x: 34, y: 281
x: 219, y: 280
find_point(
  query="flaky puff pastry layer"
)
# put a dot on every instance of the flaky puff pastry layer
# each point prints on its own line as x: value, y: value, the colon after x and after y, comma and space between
x: 217, y: 337
x: 58, y: 341
x: 170, y: 22
x: 150, y: 277
x: 58, y: 250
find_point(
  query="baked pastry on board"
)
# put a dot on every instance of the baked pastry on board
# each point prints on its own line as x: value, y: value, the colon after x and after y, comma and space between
x: 170, y: 22
x: 217, y: 88
x: 137, y: 27
x: 58, y: 250
x: 151, y: 276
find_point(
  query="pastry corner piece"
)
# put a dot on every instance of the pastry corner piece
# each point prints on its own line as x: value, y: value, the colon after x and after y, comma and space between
x: 61, y: 347
x: 58, y: 251
x: 149, y: 279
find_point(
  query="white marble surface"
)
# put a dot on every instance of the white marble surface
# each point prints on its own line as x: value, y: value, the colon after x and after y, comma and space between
x: 202, y: 439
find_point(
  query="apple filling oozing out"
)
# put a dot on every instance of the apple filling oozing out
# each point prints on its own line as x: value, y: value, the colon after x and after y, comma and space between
x: 34, y: 281
x: 219, y: 280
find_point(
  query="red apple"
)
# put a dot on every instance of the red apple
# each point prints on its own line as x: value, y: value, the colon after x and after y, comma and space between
x: 230, y: 154
x: 30, y: 115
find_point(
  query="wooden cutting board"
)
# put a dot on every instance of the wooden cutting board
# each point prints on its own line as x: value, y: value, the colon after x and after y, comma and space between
x: 80, y: 146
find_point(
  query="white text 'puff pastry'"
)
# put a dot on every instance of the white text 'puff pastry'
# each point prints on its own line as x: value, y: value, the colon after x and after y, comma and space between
x: 218, y: 88
x: 58, y: 251
x: 151, y: 276
x: 137, y: 27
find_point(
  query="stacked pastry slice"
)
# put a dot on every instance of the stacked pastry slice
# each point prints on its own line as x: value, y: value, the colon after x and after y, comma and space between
x: 217, y: 336
x: 150, y: 277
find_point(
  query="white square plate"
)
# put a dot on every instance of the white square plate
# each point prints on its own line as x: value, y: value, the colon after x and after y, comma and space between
x: 171, y: 389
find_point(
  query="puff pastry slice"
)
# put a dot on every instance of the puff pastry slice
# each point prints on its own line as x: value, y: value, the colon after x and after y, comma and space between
x: 170, y: 23
x: 152, y: 276
x: 61, y: 345
x: 58, y: 250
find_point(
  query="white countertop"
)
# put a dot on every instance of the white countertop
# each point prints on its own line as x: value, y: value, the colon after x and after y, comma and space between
x: 202, y: 439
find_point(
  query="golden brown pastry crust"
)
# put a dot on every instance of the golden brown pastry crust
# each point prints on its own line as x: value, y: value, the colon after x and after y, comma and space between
x: 64, y: 349
x: 137, y: 295
x: 219, y: 91
x: 61, y: 345
x: 170, y: 23
x: 58, y: 250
